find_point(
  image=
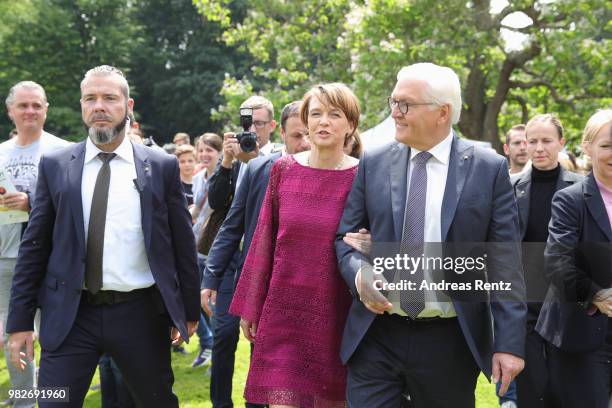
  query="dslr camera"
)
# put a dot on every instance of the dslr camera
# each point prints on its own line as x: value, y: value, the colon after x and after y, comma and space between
x: 247, y: 139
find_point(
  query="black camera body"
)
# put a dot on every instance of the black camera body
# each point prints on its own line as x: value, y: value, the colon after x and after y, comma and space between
x: 247, y: 139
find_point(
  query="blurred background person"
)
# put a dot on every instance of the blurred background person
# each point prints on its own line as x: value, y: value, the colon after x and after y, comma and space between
x: 290, y: 296
x: 576, y: 313
x: 534, y: 188
x: 181, y: 139
x: 222, y: 188
x: 209, y: 147
x: 515, y: 148
x: 27, y: 106
x: 186, y: 157
x: 353, y: 146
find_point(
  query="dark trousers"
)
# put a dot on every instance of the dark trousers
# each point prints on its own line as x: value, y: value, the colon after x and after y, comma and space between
x: 580, y: 380
x: 226, y: 331
x: 113, y: 390
x: 426, y: 362
x: 533, y: 383
x: 136, y: 334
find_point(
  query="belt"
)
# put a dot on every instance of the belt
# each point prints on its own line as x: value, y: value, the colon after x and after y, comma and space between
x: 110, y: 297
x: 419, y: 320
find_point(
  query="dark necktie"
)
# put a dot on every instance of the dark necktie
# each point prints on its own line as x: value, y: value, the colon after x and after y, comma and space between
x: 413, y: 301
x: 97, y: 221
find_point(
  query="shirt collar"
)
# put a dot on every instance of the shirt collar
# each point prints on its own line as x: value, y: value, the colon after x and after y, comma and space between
x: 440, y: 152
x: 603, y: 189
x: 123, y: 151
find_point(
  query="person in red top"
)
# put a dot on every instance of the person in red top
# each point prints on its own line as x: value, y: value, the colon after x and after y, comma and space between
x: 291, y: 298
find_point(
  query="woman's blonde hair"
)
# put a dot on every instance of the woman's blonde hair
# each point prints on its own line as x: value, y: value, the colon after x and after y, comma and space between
x: 595, y: 123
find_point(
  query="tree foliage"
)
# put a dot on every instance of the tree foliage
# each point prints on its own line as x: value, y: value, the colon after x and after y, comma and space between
x: 53, y: 42
x: 175, y: 61
x: 562, y: 64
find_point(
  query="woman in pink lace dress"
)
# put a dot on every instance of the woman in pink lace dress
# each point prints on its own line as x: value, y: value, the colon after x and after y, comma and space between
x: 291, y: 298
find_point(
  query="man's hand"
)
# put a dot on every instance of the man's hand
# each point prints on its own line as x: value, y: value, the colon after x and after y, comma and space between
x: 361, y: 241
x: 15, y: 201
x: 16, y: 342
x: 506, y: 367
x: 371, y: 297
x: 229, y: 146
x: 176, y: 337
x: 231, y: 151
x: 208, y: 297
x: 603, y: 301
x: 249, y: 329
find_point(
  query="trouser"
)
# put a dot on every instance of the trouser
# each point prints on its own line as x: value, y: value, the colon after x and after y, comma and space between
x: 134, y: 333
x: 20, y: 380
x: 226, y: 328
x: 427, y: 362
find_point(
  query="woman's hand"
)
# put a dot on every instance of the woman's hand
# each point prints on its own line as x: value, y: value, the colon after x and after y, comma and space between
x: 248, y: 329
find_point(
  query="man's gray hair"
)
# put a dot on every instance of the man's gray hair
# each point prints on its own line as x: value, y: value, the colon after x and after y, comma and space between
x: 106, y: 70
x: 441, y: 85
x: 259, y: 102
x: 31, y: 85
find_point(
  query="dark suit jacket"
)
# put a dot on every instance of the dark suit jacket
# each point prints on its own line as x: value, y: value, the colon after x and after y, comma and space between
x: 578, y: 264
x: 478, y: 206
x: 533, y: 253
x: 241, y: 220
x: 51, y: 262
x: 522, y: 190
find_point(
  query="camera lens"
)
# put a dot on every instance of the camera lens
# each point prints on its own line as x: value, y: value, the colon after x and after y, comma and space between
x: 248, y: 144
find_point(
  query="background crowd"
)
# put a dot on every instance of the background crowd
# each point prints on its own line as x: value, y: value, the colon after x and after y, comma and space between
x: 284, y: 211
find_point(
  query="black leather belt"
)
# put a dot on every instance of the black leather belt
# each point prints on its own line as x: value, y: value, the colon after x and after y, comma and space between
x: 110, y: 297
x: 420, y: 320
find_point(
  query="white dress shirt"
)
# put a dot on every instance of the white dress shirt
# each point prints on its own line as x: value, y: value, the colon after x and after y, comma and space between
x: 436, y: 303
x: 125, y: 266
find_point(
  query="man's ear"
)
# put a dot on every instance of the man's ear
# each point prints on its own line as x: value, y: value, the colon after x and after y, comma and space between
x: 506, y: 149
x: 445, y: 113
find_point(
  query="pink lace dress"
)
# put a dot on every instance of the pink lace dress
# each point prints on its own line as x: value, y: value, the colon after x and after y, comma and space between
x: 290, y: 285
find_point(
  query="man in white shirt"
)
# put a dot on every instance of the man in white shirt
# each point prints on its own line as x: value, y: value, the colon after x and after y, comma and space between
x: 27, y: 106
x: 106, y: 256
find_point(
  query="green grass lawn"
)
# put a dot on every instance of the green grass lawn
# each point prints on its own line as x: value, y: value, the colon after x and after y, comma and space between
x: 192, y: 385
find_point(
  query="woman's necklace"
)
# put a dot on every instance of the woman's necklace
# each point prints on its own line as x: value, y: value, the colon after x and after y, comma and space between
x: 338, y: 167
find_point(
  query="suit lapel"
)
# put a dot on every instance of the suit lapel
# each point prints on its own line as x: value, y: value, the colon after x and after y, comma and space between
x: 596, y: 206
x: 75, y: 174
x: 398, y: 157
x: 458, y: 166
x: 564, y: 179
x: 143, y: 181
x: 523, y: 194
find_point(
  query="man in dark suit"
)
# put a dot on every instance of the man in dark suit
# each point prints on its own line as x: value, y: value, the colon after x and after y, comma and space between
x: 225, y: 258
x: 106, y: 257
x: 430, y: 186
x: 534, y: 189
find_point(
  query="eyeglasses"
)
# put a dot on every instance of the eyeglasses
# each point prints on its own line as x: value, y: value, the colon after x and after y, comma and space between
x: 260, y: 123
x: 403, y: 106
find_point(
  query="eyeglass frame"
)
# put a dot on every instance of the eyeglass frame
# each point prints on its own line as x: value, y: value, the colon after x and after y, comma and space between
x: 392, y: 103
x: 260, y: 124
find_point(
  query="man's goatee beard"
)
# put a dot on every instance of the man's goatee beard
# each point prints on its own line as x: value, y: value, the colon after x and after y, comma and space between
x: 105, y: 136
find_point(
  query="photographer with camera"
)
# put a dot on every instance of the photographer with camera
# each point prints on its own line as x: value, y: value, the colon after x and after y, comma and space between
x: 257, y: 121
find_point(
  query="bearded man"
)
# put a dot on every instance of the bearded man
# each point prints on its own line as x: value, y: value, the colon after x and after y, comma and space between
x: 105, y: 257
